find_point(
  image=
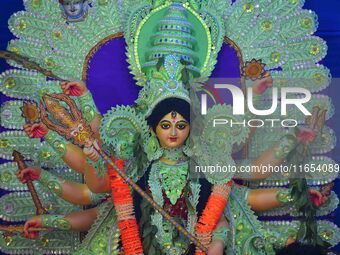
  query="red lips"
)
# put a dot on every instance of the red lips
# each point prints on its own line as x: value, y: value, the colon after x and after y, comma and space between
x: 173, y: 139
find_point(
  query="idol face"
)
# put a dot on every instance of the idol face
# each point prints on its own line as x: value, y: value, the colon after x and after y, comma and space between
x: 74, y: 10
x: 172, y: 130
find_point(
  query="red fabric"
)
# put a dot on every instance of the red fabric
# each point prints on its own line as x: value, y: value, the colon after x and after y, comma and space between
x: 180, y: 209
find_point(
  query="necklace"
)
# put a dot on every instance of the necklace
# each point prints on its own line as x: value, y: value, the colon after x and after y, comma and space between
x: 173, y: 154
x: 165, y: 233
x: 173, y: 179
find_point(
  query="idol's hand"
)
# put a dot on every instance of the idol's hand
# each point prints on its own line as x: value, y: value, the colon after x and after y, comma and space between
x: 29, y: 174
x: 260, y: 86
x: 319, y: 198
x: 74, y: 88
x: 37, y: 130
x: 314, y: 124
x: 216, y: 248
x: 306, y: 136
x: 91, y: 151
x: 34, y: 222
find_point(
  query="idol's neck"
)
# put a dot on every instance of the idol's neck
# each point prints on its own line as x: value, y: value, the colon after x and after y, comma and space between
x: 173, y: 155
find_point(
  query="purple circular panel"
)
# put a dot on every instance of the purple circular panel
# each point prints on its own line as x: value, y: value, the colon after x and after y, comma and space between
x: 108, y: 76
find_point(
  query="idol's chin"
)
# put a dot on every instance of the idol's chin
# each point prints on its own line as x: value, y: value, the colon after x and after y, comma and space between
x: 172, y: 145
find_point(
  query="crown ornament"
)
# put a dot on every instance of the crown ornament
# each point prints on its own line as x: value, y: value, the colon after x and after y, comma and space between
x: 165, y: 83
x: 190, y: 32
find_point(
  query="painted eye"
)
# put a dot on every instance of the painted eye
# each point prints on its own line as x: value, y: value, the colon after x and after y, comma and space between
x: 165, y: 126
x: 181, y: 126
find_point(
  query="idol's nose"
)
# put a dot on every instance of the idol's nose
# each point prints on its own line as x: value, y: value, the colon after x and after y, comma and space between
x: 173, y: 131
x: 73, y: 8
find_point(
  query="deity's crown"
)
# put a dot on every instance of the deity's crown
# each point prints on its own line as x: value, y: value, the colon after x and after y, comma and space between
x: 168, y: 48
x: 166, y: 82
x: 174, y: 36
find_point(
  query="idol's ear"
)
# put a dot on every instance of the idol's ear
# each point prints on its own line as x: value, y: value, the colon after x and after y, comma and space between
x: 151, y: 146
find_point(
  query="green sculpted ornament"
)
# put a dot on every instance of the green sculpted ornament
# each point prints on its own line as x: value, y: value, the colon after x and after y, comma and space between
x: 151, y: 146
x: 165, y: 83
x: 174, y: 179
x: 122, y: 129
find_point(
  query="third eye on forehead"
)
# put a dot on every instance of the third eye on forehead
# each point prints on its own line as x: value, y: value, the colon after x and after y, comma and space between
x: 173, y: 114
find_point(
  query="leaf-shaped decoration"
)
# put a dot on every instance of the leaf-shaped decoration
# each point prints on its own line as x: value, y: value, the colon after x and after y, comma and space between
x: 10, y: 113
x: 299, y: 24
x: 17, y: 206
x: 17, y: 140
x: 8, y: 179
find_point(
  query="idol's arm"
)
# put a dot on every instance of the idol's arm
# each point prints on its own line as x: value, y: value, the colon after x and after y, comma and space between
x: 73, y: 156
x: 87, y: 106
x: 273, y: 156
x: 96, y: 183
x: 258, y: 88
x: 72, y: 192
x: 219, y: 237
x: 76, y: 159
x: 77, y: 221
x: 82, y: 220
x: 266, y: 199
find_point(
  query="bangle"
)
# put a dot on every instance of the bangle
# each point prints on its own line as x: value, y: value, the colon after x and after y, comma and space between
x: 97, y: 198
x: 52, y: 182
x: 87, y: 106
x: 99, y: 166
x: 221, y: 234
x: 283, y: 196
x: 286, y: 145
x: 55, y: 221
x: 57, y: 142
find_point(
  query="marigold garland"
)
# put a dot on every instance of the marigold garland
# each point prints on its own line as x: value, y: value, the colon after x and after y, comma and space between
x: 212, y: 213
x: 123, y: 202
